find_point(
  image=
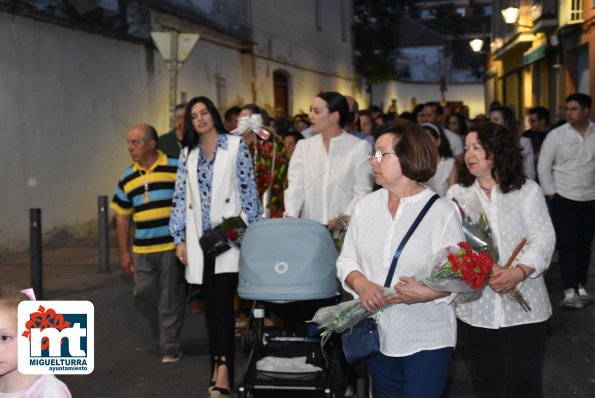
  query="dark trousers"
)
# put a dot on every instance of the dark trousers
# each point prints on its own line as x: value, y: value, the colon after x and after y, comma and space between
x: 507, y: 362
x: 422, y: 374
x: 218, y: 293
x: 574, y: 223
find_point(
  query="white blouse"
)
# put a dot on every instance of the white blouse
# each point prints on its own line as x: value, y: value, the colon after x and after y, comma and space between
x: 322, y: 185
x: 439, y: 182
x: 517, y: 215
x: 369, y: 247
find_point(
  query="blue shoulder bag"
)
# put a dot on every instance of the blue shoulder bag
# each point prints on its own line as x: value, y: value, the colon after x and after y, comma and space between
x: 362, y: 342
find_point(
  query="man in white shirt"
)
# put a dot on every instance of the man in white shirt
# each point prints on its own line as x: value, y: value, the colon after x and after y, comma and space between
x: 434, y: 113
x: 567, y: 175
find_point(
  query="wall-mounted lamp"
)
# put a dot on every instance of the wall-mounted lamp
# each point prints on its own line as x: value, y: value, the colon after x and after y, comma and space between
x: 476, y: 45
x: 510, y: 14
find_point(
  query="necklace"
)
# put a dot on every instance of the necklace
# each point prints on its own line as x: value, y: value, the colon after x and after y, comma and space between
x: 145, y: 183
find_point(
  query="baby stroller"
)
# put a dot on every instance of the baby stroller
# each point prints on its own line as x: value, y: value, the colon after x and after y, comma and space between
x: 288, y: 267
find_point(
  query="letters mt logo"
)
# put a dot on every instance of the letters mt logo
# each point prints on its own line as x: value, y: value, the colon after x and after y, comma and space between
x: 56, y: 337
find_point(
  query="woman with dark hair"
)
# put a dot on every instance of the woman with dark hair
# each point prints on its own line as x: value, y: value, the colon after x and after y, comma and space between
x: 328, y: 173
x: 418, y: 113
x: 417, y: 333
x: 367, y: 123
x: 300, y: 123
x: 215, y: 180
x: 456, y: 123
x: 504, y: 116
x: 504, y: 342
x: 446, y: 172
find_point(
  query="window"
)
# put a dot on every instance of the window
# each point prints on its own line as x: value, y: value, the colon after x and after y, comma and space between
x: 487, y: 10
x: 281, y: 91
x: 461, y: 11
x: 576, y: 10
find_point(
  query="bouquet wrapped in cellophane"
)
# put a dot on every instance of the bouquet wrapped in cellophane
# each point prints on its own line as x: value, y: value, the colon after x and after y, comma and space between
x: 478, y: 235
x: 459, y: 269
x: 338, y: 318
x: 455, y: 269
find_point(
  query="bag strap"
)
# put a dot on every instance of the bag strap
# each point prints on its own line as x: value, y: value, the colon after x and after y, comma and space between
x: 412, y: 229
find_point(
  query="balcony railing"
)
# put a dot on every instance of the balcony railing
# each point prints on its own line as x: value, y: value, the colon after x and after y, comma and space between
x: 576, y: 10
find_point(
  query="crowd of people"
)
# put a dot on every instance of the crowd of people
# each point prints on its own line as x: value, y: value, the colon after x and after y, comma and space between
x: 367, y: 174
x: 369, y: 177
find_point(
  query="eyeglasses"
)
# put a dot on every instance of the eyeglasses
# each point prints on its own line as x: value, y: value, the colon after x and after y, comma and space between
x: 378, y: 155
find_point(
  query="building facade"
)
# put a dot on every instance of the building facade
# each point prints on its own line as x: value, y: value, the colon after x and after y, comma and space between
x: 542, y: 54
x: 76, y: 78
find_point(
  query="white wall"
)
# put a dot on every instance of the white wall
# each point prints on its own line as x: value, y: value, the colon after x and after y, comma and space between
x: 68, y: 98
x: 473, y: 95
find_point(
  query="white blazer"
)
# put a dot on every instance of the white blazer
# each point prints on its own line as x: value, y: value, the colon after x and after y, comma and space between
x: 225, y: 202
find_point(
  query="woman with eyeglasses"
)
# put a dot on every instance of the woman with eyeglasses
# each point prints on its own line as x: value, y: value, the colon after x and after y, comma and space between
x: 504, y: 341
x: 328, y: 172
x: 418, y: 331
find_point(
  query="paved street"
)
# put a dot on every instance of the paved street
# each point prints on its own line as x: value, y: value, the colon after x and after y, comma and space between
x: 123, y: 367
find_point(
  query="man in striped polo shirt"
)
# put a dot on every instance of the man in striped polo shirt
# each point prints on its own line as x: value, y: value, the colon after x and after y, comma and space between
x: 144, y: 195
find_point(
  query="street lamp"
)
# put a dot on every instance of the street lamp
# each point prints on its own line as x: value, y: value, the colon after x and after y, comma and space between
x: 476, y: 45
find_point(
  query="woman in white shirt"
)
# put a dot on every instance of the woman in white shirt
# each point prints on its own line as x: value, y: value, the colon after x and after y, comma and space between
x: 504, y: 342
x: 446, y: 172
x: 328, y: 172
x: 418, y: 333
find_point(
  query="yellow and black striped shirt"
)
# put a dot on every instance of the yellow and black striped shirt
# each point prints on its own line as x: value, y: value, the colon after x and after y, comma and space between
x: 147, y: 196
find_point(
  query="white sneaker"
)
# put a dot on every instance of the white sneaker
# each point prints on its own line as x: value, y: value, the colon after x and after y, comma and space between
x: 571, y: 300
x: 585, y: 297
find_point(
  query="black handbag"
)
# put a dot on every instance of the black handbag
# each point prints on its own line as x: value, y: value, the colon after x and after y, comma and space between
x: 214, y: 242
x: 362, y: 341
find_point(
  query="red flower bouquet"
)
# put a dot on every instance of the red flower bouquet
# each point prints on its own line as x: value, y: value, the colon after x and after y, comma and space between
x: 233, y: 228
x: 459, y: 269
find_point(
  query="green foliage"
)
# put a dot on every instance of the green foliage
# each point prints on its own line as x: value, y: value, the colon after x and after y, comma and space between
x: 376, y: 38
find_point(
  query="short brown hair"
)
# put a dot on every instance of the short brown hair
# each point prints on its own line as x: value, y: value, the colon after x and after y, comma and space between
x: 413, y: 147
x: 10, y: 298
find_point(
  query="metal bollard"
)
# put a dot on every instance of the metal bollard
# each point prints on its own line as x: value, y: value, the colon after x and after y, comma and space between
x: 102, y: 229
x: 36, y: 252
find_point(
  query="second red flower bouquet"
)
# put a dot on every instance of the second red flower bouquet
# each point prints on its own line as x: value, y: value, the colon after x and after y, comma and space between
x: 233, y: 228
x: 459, y: 269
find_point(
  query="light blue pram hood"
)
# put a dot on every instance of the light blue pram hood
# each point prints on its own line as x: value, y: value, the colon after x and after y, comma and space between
x: 287, y: 259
